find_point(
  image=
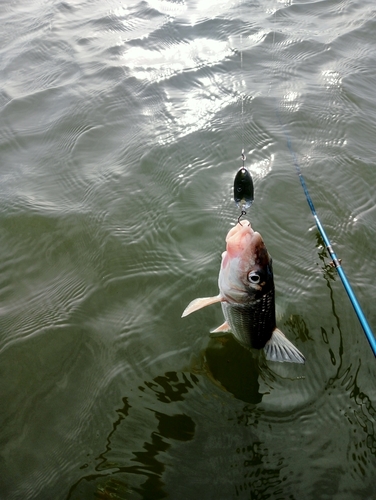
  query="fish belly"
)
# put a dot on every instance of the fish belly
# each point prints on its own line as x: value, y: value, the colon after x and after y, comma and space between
x: 252, y: 323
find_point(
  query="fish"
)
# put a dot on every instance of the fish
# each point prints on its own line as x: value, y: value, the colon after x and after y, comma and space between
x: 247, y: 296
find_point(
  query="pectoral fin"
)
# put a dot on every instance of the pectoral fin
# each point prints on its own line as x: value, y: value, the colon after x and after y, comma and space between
x: 279, y: 348
x: 197, y: 304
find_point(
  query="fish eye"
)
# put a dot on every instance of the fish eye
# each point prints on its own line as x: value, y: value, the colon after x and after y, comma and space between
x: 253, y: 277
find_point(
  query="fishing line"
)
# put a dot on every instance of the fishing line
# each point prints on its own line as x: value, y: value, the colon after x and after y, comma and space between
x: 242, y: 94
x: 243, y: 183
x: 335, y: 261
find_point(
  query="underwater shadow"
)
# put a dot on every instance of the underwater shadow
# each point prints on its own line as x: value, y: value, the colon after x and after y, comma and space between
x: 233, y: 368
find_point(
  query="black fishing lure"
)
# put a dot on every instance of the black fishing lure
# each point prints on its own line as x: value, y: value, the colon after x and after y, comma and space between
x: 243, y: 189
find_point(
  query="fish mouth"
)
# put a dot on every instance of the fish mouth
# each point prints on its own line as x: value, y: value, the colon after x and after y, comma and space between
x: 242, y: 241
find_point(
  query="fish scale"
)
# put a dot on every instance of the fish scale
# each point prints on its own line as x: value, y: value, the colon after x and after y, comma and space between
x: 252, y: 323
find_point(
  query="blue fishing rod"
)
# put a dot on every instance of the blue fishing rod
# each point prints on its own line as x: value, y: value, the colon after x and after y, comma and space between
x: 244, y: 195
x: 336, y: 261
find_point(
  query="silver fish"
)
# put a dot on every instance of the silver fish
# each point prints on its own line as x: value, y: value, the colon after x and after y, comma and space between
x: 246, y: 293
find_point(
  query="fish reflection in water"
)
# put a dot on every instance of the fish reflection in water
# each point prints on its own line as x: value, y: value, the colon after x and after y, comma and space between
x: 154, y: 449
x: 233, y: 368
x: 121, y: 471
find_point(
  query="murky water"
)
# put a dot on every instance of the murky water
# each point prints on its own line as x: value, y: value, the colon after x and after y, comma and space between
x: 122, y: 126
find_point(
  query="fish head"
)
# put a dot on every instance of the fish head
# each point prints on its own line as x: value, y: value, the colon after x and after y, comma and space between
x: 246, y: 270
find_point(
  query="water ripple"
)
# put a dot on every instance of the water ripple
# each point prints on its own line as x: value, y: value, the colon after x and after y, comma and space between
x: 122, y: 128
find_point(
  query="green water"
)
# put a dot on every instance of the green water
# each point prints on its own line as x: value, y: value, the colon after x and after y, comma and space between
x: 122, y: 126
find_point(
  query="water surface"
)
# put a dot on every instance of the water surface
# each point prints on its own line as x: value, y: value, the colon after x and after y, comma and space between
x: 122, y: 126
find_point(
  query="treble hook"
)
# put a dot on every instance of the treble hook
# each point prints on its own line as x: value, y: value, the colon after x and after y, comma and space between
x: 240, y: 216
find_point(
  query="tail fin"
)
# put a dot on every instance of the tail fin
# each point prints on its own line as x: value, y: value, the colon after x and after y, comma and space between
x: 279, y: 348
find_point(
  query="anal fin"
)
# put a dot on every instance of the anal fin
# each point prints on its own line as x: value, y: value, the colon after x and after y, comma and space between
x: 222, y: 329
x: 279, y: 348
